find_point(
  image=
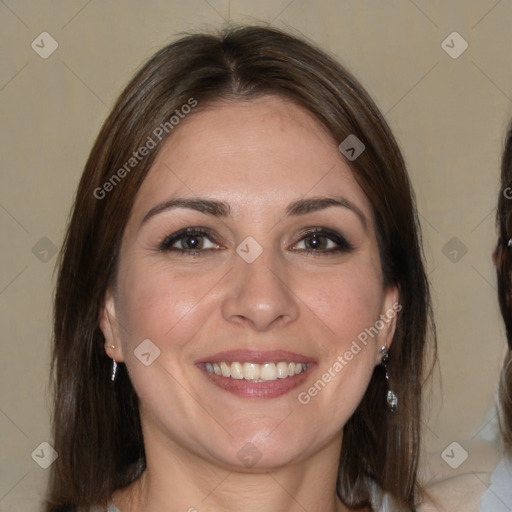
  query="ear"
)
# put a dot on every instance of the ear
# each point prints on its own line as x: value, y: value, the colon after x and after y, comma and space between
x: 388, y: 319
x: 109, y: 325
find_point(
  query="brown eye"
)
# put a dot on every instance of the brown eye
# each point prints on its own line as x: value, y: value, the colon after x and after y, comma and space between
x: 191, y: 242
x: 188, y: 240
x: 318, y: 242
x: 322, y: 241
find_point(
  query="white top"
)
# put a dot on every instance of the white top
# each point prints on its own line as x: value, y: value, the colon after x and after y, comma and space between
x: 498, y: 497
x: 381, y: 501
x: 110, y: 508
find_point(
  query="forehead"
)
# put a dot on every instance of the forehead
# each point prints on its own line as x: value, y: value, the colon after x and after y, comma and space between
x: 260, y: 153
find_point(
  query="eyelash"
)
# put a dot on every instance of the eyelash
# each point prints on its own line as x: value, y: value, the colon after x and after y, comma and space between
x: 343, y: 246
x: 167, y: 244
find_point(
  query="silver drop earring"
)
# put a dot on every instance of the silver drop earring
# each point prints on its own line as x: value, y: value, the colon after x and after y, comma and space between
x: 391, y: 398
x: 114, y: 364
x: 114, y: 370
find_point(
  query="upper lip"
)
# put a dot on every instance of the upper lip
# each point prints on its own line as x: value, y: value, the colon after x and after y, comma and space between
x: 255, y: 356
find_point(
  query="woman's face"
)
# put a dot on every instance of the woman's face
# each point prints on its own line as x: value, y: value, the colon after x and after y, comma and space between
x: 250, y: 252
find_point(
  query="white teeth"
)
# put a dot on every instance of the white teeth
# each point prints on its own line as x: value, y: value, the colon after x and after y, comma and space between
x: 252, y: 371
x: 269, y: 371
x: 256, y: 372
x: 282, y: 370
x: 237, y: 371
x: 224, y: 368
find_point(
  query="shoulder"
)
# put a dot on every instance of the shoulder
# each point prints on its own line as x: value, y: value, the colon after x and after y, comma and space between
x: 454, y: 488
x: 472, y: 492
x: 459, y: 493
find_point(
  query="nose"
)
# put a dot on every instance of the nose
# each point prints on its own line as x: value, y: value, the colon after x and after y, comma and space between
x: 260, y: 294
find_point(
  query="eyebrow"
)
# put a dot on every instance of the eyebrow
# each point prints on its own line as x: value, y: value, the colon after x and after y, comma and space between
x: 222, y: 209
x: 314, y: 204
x: 207, y: 206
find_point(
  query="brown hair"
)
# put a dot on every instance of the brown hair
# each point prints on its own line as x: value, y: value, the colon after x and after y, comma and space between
x: 503, y: 261
x: 97, y: 430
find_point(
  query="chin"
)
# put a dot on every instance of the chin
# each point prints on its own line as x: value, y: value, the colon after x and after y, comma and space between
x: 264, y: 449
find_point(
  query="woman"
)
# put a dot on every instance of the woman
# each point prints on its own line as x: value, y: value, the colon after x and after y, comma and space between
x: 499, y: 495
x: 242, y: 310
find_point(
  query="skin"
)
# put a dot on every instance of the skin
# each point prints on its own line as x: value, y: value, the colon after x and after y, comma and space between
x: 257, y: 156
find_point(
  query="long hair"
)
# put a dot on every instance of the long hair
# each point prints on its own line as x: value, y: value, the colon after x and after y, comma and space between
x: 97, y: 431
x: 503, y: 262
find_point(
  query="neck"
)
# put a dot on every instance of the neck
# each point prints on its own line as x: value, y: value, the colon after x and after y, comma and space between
x: 193, y: 484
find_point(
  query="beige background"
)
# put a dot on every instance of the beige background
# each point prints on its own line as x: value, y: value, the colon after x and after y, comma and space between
x: 449, y: 116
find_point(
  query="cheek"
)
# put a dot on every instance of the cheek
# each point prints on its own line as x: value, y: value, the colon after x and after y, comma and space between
x: 345, y: 302
x: 158, y: 302
x: 346, y: 305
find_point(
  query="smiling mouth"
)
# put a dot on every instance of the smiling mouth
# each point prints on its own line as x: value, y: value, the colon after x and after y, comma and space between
x: 255, y: 372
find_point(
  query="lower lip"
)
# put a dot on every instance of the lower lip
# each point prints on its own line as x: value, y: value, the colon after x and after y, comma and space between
x: 268, y: 389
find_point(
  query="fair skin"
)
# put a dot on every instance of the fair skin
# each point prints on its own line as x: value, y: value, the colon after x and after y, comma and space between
x: 308, y: 295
